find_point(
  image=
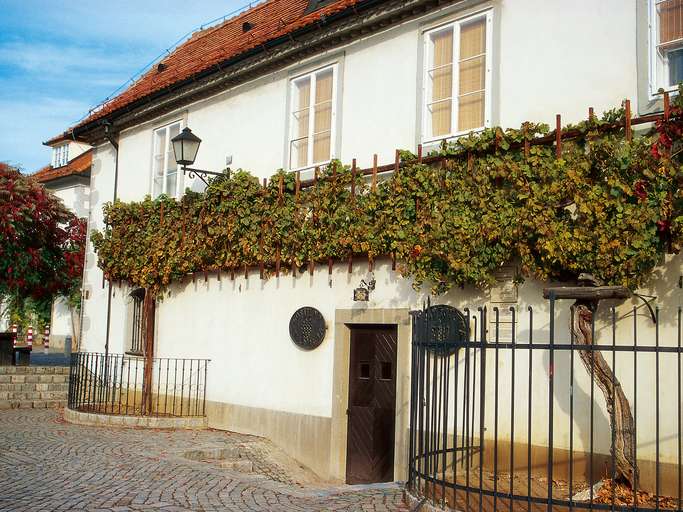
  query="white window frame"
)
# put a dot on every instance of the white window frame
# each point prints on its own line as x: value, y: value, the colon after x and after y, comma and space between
x: 312, y: 75
x: 60, y: 155
x: 167, y: 154
x: 659, y: 63
x: 426, y: 82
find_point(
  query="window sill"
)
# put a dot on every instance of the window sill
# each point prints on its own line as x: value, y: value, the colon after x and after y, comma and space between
x: 311, y: 168
x: 434, y: 142
x: 134, y: 353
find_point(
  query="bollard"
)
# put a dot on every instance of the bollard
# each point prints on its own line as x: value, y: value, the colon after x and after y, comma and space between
x: 29, y: 338
x: 46, y: 339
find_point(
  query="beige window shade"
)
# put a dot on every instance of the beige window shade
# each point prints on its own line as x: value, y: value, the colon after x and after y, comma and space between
x: 670, y: 20
x: 472, y: 75
x: 442, y: 82
x: 299, y: 144
x: 322, y: 123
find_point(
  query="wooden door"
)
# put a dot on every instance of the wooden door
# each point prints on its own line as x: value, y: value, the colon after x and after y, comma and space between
x: 372, y: 404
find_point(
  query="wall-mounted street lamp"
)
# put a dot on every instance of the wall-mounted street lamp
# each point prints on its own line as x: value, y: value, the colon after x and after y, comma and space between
x: 185, y: 148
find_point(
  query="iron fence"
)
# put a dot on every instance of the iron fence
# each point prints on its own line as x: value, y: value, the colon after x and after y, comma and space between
x: 525, y: 411
x: 129, y: 385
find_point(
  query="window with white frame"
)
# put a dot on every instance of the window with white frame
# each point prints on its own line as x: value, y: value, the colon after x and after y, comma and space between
x: 60, y: 155
x: 457, y: 82
x: 312, y: 115
x: 666, y: 44
x: 165, y: 179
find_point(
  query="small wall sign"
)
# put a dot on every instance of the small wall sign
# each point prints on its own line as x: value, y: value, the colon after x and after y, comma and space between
x: 307, y: 328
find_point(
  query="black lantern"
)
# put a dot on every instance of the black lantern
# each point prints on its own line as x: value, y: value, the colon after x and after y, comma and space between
x: 185, y: 147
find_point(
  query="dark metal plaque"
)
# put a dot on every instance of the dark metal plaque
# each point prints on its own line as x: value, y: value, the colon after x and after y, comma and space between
x: 446, y: 328
x: 307, y: 327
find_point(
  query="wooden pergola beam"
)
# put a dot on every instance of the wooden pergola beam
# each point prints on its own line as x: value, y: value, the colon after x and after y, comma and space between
x: 592, y: 293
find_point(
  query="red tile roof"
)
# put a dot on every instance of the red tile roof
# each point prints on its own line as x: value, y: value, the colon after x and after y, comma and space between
x: 78, y: 165
x: 269, y: 20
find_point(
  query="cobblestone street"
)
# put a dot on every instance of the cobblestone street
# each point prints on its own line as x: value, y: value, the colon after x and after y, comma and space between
x: 47, y: 464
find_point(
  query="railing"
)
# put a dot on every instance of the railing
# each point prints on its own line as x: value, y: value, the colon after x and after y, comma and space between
x: 129, y: 385
x: 519, y: 412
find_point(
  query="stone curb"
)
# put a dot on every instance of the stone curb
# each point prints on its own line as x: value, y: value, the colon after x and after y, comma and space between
x: 112, y: 420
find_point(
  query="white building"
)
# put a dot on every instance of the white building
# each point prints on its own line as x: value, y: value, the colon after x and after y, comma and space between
x: 247, y: 86
x: 68, y: 178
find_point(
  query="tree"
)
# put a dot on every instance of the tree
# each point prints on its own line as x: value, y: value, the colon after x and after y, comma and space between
x: 41, y: 243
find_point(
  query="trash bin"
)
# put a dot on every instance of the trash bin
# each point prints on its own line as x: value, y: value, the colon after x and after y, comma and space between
x: 6, y: 349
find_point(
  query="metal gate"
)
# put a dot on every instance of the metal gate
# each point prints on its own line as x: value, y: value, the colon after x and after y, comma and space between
x: 508, y: 413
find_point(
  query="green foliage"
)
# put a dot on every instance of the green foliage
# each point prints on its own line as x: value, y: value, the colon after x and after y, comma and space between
x: 608, y: 206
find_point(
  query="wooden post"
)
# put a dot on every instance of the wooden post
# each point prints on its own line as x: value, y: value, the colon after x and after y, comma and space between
x: 667, y: 106
x: 374, y: 172
x: 397, y: 160
x: 350, y: 263
x: 277, y: 261
x: 419, y: 153
x: 281, y: 187
x: 591, y: 114
x: 627, y: 125
x: 393, y: 260
x: 232, y: 273
x: 297, y: 186
x: 311, y: 267
x: 525, y: 133
x: 330, y: 263
x: 246, y: 271
x: 353, y: 181
x: 260, y: 256
x: 371, y: 263
x: 558, y: 136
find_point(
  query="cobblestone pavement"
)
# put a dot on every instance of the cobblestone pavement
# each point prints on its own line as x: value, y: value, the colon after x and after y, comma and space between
x: 49, y: 465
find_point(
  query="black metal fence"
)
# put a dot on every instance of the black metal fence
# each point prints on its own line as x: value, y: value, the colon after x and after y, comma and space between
x: 515, y: 411
x: 122, y: 384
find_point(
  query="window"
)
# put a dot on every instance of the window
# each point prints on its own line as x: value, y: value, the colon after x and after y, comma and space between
x: 137, y: 332
x: 457, y: 78
x: 311, y: 140
x: 60, y: 155
x: 666, y: 44
x: 164, y: 167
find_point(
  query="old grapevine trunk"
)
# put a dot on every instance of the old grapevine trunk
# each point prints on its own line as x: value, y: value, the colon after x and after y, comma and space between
x: 148, y: 306
x: 618, y: 408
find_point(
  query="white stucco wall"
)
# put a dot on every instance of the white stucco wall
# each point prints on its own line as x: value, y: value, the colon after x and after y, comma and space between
x: 548, y: 57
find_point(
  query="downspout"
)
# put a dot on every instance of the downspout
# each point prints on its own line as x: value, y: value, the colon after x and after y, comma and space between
x: 115, y: 145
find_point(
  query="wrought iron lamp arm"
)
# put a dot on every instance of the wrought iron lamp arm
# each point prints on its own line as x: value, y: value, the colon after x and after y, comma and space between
x: 202, y: 174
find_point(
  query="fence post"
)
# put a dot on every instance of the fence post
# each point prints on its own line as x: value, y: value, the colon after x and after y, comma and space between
x: 551, y: 398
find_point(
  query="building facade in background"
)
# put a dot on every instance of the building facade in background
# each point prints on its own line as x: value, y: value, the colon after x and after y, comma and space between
x: 68, y: 178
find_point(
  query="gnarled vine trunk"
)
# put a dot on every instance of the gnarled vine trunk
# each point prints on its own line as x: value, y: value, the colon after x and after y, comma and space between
x: 618, y: 408
x: 148, y: 308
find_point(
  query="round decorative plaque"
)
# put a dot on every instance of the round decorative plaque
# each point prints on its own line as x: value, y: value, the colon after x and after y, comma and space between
x: 447, y: 328
x: 307, y: 328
